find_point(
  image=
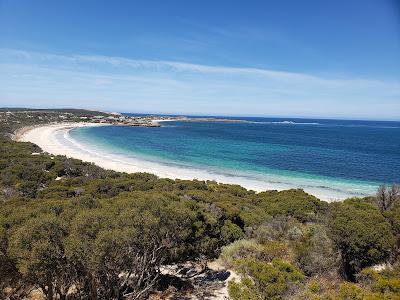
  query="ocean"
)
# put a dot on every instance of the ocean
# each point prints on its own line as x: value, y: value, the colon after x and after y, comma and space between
x: 332, y: 158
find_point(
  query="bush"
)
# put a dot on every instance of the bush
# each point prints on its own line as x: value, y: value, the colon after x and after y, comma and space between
x: 263, y: 280
x: 351, y: 291
x: 280, y: 227
x: 230, y: 232
x: 93, y: 225
x: 243, y: 249
x: 386, y: 283
x: 295, y: 203
x: 361, y: 233
x: 315, y: 253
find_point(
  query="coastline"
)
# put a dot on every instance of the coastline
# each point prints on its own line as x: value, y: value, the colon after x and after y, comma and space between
x: 55, y: 139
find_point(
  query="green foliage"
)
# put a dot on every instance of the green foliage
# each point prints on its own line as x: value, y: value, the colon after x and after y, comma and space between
x: 8, y: 271
x: 297, y: 204
x: 279, y: 227
x: 361, y: 233
x: 264, y: 280
x: 351, y: 291
x: 315, y: 253
x: 393, y: 216
x: 230, y: 232
x: 246, y: 249
x: 385, y: 283
x: 65, y: 223
x: 37, y: 248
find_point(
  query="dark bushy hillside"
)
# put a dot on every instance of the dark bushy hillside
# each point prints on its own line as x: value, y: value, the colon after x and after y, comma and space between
x: 77, y: 231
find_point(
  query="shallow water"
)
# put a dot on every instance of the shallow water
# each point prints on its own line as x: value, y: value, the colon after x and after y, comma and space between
x: 344, y: 157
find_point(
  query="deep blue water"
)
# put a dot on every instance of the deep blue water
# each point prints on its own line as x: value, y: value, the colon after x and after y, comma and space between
x: 355, y: 151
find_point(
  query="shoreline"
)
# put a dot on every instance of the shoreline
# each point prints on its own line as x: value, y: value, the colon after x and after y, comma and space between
x: 55, y: 139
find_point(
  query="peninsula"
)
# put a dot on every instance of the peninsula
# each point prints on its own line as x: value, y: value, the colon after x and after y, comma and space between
x: 13, y: 118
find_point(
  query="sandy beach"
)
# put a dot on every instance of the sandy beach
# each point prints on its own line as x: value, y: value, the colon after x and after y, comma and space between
x: 55, y: 139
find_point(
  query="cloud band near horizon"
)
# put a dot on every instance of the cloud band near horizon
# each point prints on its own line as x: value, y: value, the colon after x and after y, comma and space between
x: 123, y: 84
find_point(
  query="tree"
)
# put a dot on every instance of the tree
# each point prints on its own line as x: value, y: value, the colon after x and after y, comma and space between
x: 386, y: 196
x: 118, y: 247
x: 37, y: 247
x: 361, y: 233
x: 8, y: 271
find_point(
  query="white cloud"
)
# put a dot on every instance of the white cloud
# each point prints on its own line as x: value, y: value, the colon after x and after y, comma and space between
x: 129, y: 84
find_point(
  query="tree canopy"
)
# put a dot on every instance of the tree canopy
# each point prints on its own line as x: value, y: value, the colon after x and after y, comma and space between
x: 77, y: 231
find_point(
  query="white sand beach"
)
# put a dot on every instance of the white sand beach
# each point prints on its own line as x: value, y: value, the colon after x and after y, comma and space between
x: 55, y: 139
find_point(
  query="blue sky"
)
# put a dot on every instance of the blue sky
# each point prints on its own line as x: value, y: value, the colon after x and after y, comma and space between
x: 331, y: 59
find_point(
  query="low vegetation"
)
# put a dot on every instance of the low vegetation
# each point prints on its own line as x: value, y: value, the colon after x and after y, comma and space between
x: 76, y: 231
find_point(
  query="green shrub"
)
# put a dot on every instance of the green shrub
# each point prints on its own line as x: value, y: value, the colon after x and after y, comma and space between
x: 361, y: 233
x: 243, y: 249
x: 315, y: 253
x: 264, y: 280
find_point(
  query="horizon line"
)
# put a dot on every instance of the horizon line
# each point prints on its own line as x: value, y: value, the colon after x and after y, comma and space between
x: 332, y: 118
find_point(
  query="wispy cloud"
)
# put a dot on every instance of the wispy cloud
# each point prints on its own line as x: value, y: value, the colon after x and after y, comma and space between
x: 25, y: 56
x: 129, y: 84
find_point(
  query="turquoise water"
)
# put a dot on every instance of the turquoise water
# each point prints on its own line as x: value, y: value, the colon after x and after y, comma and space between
x: 352, y: 156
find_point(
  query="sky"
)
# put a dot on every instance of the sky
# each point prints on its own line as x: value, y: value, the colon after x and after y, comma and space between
x: 316, y: 59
